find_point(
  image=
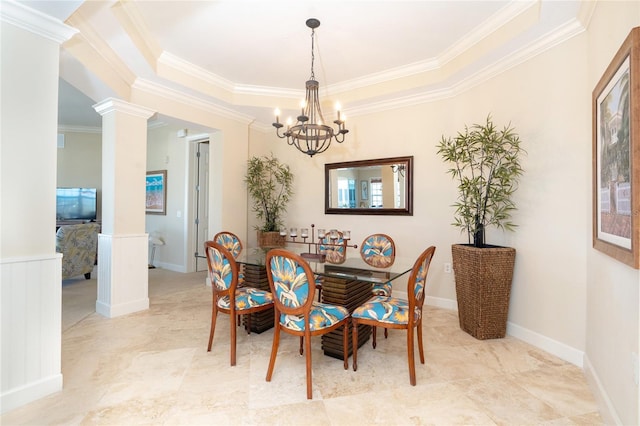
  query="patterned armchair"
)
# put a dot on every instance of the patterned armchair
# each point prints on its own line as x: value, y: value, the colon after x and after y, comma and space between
x: 79, y: 247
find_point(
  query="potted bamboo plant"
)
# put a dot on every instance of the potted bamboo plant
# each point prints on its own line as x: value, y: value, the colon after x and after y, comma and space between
x: 486, y: 165
x: 270, y: 185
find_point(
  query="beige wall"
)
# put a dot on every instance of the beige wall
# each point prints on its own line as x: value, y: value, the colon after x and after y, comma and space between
x: 613, y: 297
x: 80, y: 162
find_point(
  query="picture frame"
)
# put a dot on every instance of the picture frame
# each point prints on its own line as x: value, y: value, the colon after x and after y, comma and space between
x: 616, y: 150
x: 364, y: 190
x: 156, y: 192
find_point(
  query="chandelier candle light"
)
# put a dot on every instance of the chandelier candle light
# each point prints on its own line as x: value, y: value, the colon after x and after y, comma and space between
x: 323, y: 240
x: 310, y: 135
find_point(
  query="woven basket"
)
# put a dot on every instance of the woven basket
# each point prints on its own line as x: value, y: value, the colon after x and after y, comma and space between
x: 270, y: 239
x: 483, y: 286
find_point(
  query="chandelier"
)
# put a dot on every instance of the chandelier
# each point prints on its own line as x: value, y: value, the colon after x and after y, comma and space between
x: 310, y: 135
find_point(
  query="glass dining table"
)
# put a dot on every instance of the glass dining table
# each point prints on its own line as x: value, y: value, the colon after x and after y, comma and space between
x: 346, y: 284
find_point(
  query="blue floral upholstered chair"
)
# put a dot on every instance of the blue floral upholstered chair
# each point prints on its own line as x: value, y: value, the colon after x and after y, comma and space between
x: 391, y: 312
x: 231, y: 242
x: 79, y: 247
x: 228, y: 298
x: 335, y: 249
x: 379, y: 250
x: 293, y: 286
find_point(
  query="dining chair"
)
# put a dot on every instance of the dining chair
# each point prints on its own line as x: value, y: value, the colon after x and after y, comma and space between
x: 379, y: 250
x: 228, y: 298
x: 335, y: 249
x: 293, y: 286
x: 230, y: 241
x: 391, y: 312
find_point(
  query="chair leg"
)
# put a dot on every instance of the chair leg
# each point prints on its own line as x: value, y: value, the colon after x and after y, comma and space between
x: 374, y: 343
x: 214, y: 315
x: 233, y: 339
x: 354, y: 334
x: 345, y: 343
x: 274, y: 351
x: 308, y: 348
x: 248, y: 317
x: 301, y: 343
x: 412, y: 361
x: 420, y: 349
x: 386, y: 333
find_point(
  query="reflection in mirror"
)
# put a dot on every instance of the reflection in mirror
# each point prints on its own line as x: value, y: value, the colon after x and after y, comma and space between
x: 376, y: 187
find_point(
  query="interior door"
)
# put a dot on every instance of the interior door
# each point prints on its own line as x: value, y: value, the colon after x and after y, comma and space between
x: 202, y: 204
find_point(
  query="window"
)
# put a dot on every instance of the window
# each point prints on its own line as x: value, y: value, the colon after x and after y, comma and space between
x: 375, y: 192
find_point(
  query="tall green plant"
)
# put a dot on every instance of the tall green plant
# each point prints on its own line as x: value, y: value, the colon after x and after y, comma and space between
x: 486, y: 165
x: 270, y: 184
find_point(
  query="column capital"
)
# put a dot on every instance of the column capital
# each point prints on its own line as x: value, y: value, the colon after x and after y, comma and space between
x: 112, y: 104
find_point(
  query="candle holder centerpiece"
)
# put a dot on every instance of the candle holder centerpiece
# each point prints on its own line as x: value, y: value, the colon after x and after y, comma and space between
x: 332, y: 243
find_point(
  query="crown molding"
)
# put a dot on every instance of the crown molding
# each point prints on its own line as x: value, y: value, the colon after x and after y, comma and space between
x: 174, y: 62
x: 118, y: 105
x: 181, y: 97
x: 544, y: 43
x: 78, y: 129
x: 35, y: 22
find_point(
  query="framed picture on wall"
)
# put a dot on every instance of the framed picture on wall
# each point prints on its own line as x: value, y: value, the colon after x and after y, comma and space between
x: 616, y: 153
x: 364, y: 190
x: 156, y: 192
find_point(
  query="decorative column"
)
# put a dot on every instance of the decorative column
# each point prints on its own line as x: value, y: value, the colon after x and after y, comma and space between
x: 123, y: 275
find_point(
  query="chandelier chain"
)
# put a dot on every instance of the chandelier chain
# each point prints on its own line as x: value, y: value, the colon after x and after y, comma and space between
x: 313, y: 32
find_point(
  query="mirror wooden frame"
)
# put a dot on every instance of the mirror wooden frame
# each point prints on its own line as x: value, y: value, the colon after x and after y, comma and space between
x: 405, y: 211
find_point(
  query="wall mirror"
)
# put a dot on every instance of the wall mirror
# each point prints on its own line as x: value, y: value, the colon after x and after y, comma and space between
x: 378, y: 187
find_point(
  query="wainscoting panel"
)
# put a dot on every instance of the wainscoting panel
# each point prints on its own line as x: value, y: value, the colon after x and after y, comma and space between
x: 31, y: 318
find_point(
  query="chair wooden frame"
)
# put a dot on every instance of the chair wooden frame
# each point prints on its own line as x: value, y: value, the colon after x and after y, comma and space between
x: 415, y: 302
x: 217, y: 294
x: 302, y: 310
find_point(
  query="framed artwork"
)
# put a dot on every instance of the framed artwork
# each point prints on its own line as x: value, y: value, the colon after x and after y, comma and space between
x: 616, y: 155
x: 156, y: 192
x: 364, y: 190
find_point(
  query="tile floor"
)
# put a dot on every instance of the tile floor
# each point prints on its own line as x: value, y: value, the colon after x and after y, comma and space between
x: 152, y: 368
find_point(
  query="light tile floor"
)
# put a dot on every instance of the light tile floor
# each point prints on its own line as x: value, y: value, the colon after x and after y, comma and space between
x: 152, y: 367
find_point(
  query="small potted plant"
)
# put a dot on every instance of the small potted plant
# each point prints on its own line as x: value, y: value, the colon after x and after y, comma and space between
x: 486, y: 164
x: 270, y: 185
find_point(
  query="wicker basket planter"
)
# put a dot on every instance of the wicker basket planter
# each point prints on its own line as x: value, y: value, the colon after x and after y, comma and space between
x: 483, y: 287
x: 270, y: 239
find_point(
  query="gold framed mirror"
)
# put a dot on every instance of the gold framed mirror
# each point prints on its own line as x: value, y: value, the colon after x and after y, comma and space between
x: 382, y: 186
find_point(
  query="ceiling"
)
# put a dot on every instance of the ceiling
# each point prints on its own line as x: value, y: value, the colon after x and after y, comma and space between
x: 246, y: 57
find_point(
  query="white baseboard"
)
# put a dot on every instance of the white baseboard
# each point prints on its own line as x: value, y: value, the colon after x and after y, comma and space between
x: 441, y: 302
x: 18, y: 397
x: 605, y: 406
x: 562, y: 351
